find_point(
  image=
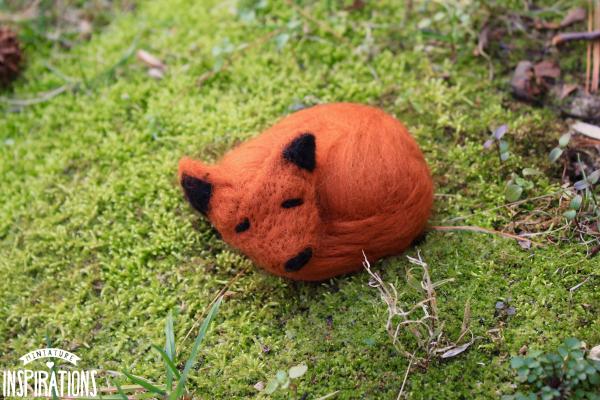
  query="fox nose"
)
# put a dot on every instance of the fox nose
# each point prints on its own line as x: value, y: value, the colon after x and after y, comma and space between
x: 295, y: 263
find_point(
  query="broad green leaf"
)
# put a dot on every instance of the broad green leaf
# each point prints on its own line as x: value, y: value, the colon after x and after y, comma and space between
x: 575, y: 203
x: 178, y: 392
x: 272, y: 386
x: 517, y: 362
x: 297, y: 371
x: 593, y: 177
x: 570, y: 214
x: 281, y: 376
x: 555, y: 154
x: 513, y: 192
x: 563, y: 141
x: 573, y: 343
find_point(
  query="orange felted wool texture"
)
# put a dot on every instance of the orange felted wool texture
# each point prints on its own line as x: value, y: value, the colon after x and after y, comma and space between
x: 306, y: 197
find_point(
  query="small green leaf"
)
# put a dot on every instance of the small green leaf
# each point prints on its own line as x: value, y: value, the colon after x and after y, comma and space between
x: 272, y: 386
x: 575, y: 203
x: 555, y: 154
x: 517, y: 362
x: 570, y: 214
x: 513, y: 192
x: 503, y: 145
x: 504, y: 156
x: 281, y: 40
x: 563, y: 141
x: 573, y: 343
x: 297, y: 371
x: 531, y: 172
x: 281, y: 376
x: 593, y: 177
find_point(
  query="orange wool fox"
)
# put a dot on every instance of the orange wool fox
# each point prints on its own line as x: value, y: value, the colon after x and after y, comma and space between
x: 305, y: 198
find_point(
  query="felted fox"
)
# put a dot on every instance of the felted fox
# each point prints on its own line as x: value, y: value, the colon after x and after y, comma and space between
x: 306, y: 197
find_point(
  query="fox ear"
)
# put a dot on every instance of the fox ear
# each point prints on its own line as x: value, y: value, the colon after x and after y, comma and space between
x: 197, y: 192
x: 193, y: 178
x: 302, y: 151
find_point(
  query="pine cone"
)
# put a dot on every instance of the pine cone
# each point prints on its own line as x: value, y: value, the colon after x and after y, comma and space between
x: 10, y: 56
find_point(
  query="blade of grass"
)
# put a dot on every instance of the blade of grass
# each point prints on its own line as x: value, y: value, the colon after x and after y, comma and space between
x: 144, y: 383
x: 194, y: 354
x: 171, y: 368
x: 122, y: 394
x: 170, y: 351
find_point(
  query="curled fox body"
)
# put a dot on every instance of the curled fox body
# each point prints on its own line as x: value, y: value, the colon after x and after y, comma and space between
x: 306, y: 197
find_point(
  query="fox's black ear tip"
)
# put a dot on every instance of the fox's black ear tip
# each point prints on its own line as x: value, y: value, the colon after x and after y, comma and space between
x: 197, y: 191
x: 302, y: 151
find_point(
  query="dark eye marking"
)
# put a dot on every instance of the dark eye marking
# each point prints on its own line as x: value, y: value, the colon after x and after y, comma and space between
x: 243, y: 226
x: 289, y: 203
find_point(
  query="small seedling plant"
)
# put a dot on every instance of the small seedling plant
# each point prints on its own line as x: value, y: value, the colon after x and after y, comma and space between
x: 283, y: 379
x: 564, y: 374
x: 174, y: 387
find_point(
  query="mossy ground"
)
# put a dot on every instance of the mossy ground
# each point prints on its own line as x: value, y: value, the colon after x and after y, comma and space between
x: 97, y: 244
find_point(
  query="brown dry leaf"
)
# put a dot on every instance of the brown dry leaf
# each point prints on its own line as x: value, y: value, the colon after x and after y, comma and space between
x: 573, y: 16
x: 523, y: 350
x: 356, y: 5
x: 150, y: 60
x: 456, y: 350
x: 588, y: 130
x: 523, y: 82
x: 567, y: 89
x: 547, y: 69
x: 595, y: 353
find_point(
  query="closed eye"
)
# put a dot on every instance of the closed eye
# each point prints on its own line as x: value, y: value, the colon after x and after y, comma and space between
x: 289, y: 203
x: 243, y: 226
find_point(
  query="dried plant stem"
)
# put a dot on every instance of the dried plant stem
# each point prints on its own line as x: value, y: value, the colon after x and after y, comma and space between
x: 483, y: 230
x: 421, y: 320
x: 596, y: 52
x: 401, y: 392
x: 588, y: 60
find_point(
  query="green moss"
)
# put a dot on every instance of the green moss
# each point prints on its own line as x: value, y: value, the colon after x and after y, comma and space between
x: 97, y: 245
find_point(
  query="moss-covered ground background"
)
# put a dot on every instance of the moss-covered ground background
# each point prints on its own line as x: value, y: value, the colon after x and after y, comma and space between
x: 97, y: 244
